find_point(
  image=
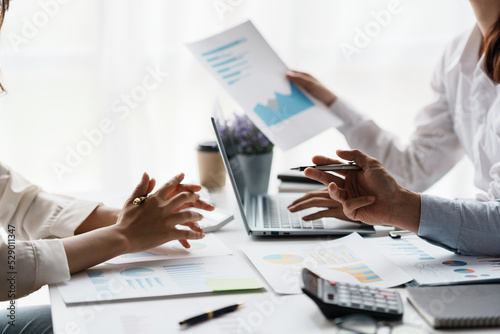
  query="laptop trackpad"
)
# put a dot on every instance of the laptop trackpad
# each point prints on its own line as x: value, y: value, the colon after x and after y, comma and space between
x: 335, y: 224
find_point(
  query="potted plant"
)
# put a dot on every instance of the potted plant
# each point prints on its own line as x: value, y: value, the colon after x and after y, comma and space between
x: 250, y: 154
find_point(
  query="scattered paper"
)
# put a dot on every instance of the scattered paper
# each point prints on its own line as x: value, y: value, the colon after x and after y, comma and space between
x: 242, y: 61
x: 228, y: 284
x: 432, y: 265
x: 159, y: 278
x: 349, y: 259
x: 208, y: 246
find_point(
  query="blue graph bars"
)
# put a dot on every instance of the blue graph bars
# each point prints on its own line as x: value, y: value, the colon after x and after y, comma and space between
x: 229, y: 61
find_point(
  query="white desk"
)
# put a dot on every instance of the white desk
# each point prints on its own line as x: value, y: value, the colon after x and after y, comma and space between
x: 264, y: 312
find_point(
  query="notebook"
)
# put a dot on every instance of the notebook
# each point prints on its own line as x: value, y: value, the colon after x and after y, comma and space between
x: 458, y: 306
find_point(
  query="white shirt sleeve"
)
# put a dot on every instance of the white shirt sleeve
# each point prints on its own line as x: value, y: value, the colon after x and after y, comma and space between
x: 30, y: 265
x: 433, y: 150
x: 35, y: 218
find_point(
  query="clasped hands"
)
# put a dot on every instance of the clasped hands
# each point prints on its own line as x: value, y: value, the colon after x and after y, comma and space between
x: 153, y: 222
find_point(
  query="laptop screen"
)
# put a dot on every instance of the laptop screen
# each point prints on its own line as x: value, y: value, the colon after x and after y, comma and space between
x: 232, y: 167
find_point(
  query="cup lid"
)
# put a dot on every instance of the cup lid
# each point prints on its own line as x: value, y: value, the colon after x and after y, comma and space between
x: 208, y: 146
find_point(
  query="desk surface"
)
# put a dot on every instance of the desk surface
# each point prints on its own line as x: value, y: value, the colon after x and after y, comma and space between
x: 264, y: 312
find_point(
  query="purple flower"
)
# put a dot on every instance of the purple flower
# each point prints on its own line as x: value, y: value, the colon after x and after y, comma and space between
x: 242, y: 136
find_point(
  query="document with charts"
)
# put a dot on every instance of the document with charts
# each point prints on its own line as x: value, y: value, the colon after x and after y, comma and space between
x: 432, y: 265
x: 108, y: 282
x: 208, y: 246
x: 349, y: 259
x: 242, y: 61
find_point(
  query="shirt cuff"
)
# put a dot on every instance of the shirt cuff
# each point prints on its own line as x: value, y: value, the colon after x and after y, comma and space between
x: 37, y: 263
x: 440, y: 221
x: 51, y: 262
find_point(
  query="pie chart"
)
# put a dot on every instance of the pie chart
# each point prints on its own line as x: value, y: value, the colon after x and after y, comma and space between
x: 454, y: 263
x: 463, y: 271
x: 283, y: 258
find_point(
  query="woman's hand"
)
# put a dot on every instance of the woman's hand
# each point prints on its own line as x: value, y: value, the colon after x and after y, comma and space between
x: 140, y: 227
x: 153, y: 222
x: 370, y: 195
x: 318, y: 199
x: 312, y: 86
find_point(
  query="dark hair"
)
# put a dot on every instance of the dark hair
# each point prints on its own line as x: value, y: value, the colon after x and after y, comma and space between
x: 4, y: 5
x: 491, y: 48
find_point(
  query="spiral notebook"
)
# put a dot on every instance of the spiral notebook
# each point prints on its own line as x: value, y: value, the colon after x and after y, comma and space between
x: 458, y: 306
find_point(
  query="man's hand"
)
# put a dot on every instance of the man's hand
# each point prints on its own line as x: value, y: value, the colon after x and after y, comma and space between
x: 370, y: 195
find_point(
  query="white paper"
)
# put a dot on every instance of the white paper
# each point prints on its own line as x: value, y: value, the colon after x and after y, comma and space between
x: 151, y: 279
x: 208, y: 246
x: 242, y: 61
x: 350, y: 259
x: 433, y: 265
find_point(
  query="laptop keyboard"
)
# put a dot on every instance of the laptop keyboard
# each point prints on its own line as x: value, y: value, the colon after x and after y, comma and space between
x: 276, y: 215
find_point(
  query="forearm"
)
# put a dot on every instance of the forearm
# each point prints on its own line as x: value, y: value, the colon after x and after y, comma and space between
x: 102, y: 216
x: 466, y: 227
x: 94, y: 247
x: 406, y: 210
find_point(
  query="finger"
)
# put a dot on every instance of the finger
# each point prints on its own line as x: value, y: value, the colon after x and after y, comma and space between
x: 360, y: 158
x: 198, y: 204
x: 170, y: 186
x: 151, y: 186
x: 302, y: 81
x: 324, y: 213
x: 181, y: 200
x: 322, y: 160
x: 185, y: 217
x: 315, y: 203
x: 184, y: 187
x: 311, y: 194
x: 336, y: 193
x: 187, y: 234
x: 140, y: 190
x: 185, y: 243
x: 323, y: 177
x: 194, y: 226
x: 298, y: 73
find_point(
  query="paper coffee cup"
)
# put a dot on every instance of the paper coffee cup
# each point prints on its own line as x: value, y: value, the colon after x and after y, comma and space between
x: 210, y: 166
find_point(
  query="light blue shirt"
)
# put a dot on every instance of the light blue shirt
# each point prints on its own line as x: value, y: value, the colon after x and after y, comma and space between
x: 465, y: 227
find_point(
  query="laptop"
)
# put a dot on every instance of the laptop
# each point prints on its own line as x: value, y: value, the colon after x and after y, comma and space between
x: 267, y: 214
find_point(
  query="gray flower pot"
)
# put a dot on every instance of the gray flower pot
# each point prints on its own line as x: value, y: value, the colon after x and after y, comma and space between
x: 256, y: 169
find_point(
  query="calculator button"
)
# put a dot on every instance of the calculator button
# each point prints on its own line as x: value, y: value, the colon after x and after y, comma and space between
x: 333, y: 283
x: 330, y: 296
x: 387, y: 294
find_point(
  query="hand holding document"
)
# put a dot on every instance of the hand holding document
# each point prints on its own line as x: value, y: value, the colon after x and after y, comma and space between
x: 242, y: 61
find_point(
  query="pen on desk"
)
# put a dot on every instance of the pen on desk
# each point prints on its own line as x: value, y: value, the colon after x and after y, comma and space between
x: 210, y: 314
x: 329, y: 168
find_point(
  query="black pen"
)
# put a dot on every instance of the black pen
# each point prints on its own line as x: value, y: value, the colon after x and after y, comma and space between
x: 210, y: 314
x: 328, y: 168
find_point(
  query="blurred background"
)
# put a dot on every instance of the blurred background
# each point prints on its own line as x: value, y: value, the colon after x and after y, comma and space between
x: 71, y: 67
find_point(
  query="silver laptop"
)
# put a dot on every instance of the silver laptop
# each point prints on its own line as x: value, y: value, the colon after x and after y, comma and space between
x: 267, y: 215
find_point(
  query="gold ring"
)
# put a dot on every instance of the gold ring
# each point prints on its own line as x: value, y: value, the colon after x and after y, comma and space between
x: 139, y: 200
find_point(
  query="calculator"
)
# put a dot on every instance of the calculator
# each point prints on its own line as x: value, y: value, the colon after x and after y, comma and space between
x: 336, y: 299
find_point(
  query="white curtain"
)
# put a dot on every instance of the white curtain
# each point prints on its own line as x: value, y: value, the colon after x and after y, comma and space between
x: 101, y: 90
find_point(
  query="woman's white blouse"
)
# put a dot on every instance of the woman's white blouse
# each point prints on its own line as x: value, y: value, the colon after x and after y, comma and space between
x: 31, y: 220
x: 463, y: 117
